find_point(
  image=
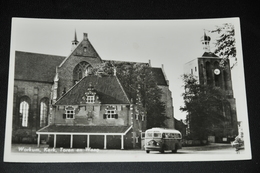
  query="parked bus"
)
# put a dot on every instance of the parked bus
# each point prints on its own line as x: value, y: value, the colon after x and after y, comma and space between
x: 161, y: 139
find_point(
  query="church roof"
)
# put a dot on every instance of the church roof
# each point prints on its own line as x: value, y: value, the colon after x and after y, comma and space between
x: 209, y: 54
x: 36, y: 67
x: 108, y: 89
x: 157, y: 72
x: 42, y: 67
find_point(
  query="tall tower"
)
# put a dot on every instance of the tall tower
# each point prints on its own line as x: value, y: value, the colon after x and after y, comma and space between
x: 74, y: 42
x: 205, y: 40
x: 214, y: 71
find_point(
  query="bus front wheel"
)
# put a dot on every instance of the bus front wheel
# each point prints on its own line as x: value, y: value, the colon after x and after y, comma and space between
x: 147, y: 151
x: 162, y: 150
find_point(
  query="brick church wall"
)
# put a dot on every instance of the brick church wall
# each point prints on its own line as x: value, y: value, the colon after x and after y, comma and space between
x: 35, y: 91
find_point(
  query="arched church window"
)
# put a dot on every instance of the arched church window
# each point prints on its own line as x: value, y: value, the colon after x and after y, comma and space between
x: 81, y: 70
x: 44, y: 112
x: 228, y: 114
x: 225, y: 79
x: 24, y: 111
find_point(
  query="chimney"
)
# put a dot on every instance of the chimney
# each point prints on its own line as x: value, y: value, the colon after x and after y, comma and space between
x: 85, y: 36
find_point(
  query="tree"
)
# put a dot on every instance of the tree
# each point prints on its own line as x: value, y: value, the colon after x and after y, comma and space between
x: 225, y: 44
x: 204, y: 107
x: 139, y: 83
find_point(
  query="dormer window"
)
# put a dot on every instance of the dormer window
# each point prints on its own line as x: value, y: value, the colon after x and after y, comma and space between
x: 90, y: 99
x: 90, y: 96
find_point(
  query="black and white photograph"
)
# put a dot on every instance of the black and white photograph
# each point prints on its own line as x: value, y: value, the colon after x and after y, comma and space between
x: 126, y: 91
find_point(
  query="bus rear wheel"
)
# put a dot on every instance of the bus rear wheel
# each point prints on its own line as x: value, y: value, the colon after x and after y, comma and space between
x: 147, y: 151
x: 174, y: 151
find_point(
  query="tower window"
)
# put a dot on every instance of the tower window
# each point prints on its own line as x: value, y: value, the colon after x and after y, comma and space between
x: 208, y: 73
x: 225, y: 80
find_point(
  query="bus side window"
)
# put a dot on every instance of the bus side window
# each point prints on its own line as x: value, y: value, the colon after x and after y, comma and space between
x: 163, y: 135
x: 170, y: 135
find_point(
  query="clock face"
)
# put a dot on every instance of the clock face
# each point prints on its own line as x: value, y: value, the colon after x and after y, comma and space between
x: 217, y: 71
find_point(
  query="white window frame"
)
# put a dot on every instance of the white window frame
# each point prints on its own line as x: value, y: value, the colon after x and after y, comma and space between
x: 24, y: 110
x: 43, y: 113
x: 90, y: 99
x: 110, y: 113
x: 70, y: 112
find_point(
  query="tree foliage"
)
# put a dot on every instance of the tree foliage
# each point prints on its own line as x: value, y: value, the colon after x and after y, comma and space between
x: 204, y: 107
x: 225, y: 44
x: 139, y: 83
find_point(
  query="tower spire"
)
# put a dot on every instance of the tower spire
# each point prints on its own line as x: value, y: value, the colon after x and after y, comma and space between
x: 75, y: 41
x: 205, y: 42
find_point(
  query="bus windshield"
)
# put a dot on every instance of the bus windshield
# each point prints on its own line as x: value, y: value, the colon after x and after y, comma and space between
x: 157, y: 135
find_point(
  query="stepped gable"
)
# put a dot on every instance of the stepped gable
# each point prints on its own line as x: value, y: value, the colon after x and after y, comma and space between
x: 108, y: 89
x: 36, y: 67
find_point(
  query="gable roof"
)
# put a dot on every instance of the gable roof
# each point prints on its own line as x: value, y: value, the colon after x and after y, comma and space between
x: 108, y: 89
x: 36, y: 67
x: 78, y: 50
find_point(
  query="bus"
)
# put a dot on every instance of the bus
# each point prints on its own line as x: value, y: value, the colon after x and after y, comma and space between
x: 161, y: 139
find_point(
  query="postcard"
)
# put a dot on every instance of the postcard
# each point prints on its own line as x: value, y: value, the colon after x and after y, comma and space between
x: 126, y: 91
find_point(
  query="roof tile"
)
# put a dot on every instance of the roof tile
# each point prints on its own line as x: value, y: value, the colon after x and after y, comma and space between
x: 108, y: 90
x: 36, y: 67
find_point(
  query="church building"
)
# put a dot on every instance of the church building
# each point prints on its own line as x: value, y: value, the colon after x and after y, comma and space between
x: 58, y: 100
x: 214, y: 71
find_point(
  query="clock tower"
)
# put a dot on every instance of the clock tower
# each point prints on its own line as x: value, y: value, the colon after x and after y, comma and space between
x: 214, y: 71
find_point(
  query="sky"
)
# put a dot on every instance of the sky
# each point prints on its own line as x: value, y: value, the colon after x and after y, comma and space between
x: 169, y: 42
